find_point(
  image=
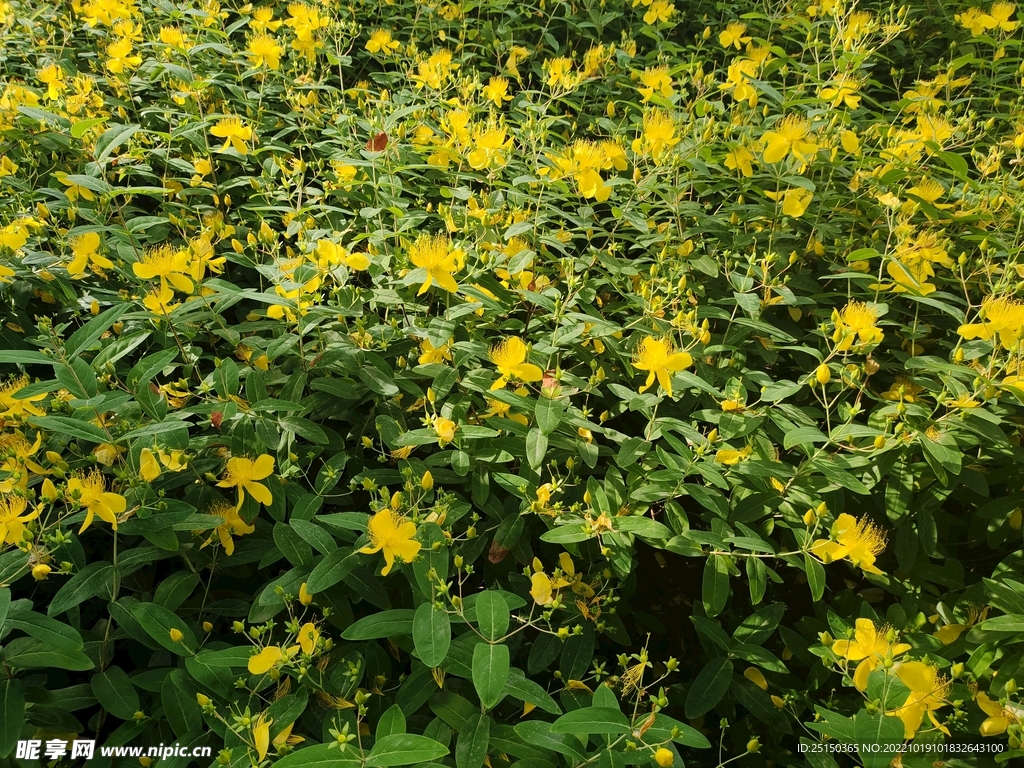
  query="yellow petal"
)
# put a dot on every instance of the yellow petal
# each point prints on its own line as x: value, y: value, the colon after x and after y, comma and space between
x: 264, y: 660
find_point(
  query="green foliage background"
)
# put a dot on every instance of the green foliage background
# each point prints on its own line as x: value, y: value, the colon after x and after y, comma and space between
x: 214, y: 247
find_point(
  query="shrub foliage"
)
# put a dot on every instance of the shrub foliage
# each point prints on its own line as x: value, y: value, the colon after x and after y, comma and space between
x: 512, y: 383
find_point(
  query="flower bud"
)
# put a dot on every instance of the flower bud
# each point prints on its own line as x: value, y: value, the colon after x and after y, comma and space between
x: 823, y: 374
x: 176, y: 635
x: 753, y: 745
x: 664, y: 758
x: 427, y: 481
x: 207, y: 626
x: 40, y: 572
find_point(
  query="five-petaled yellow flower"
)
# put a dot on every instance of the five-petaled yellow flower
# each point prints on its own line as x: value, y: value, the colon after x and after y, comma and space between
x: 91, y: 492
x: 393, y: 535
x: 859, y: 540
x: 509, y: 357
x: 659, y: 358
x: 13, y: 518
x: 435, y: 255
x: 870, y: 646
x: 235, y: 134
x: 928, y: 692
x: 790, y: 137
x: 243, y: 473
x: 855, y: 324
x: 1000, y: 717
x: 233, y: 525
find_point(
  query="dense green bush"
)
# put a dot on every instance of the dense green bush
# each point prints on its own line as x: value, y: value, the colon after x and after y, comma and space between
x: 534, y: 384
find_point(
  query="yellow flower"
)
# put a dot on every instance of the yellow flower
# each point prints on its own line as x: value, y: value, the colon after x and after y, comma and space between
x: 560, y: 74
x: 496, y: 90
x: 999, y: 717
x: 435, y: 71
x: 234, y: 134
x: 262, y: 662
x: 949, y: 633
x: 41, y: 571
x: 655, y: 80
x: 304, y: 596
x: 737, y: 80
x: 394, y: 535
x: 168, y: 264
x: 584, y: 160
x: 13, y: 518
x: 149, y: 468
x: 740, y: 158
x: 91, y: 492
x: 262, y: 20
x: 859, y: 540
x: 380, y: 41
x: 1001, y: 318
x: 540, y: 588
x: 928, y: 693
x: 16, y: 454
x: 856, y: 323
x: 261, y: 734
x: 430, y: 354
x: 174, y: 37
x: 489, y: 145
x: 794, y: 201
x: 86, y: 252
x: 14, y: 407
x: 509, y: 357
x: 444, y: 429
x: 789, y: 138
x: 233, y: 525
x: 842, y: 91
x: 660, y: 360
x: 976, y: 21
x: 264, y: 50
x: 435, y: 255
x: 731, y: 457
x: 73, y: 191
x: 902, y: 390
x: 243, y: 473
x: 664, y: 757
x: 870, y: 646
x: 120, y: 56
x: 658, y: 135
x: 659, y: 11
x: 734, y: 35
x: 176, y: 635
x: 1001, y: 13
x: 52, y: 77
x: 308, y: 637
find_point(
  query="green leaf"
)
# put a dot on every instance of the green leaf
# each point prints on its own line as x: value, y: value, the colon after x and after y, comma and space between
x: 873, y: 731
x: 113, y: 137
x: 815, y: 576
x: 404, y: 749
x: 114, y: 691
x: 377, y: 381
x: 757, y: 573
x: 589, y: 720
x: 471, y: 748
x: 490, y: 672
x: 431, y: 634
x: 320, y: 756
x: 519, y: 686
x: 89, y: 333
x: 88, y: 582
x: 65, y: 425
x: 492, y: 615
x: 80, y: 128
x: 158, y: 623
x: 30, y: 653
x: 708, y: 689
x: 25, y: 357
x: 332, y: 569
x: 549, y: 414
x: 391, y: 723
x: 12, y: 714
x: 377, y: 626
x: 54, y: 634
x: 536, y: 447
x: 715, y: 586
